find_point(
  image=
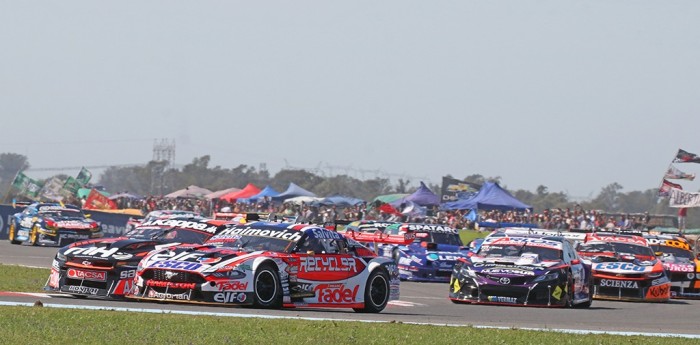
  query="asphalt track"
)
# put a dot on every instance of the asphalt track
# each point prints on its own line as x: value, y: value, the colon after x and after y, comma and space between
x: 420, y: 303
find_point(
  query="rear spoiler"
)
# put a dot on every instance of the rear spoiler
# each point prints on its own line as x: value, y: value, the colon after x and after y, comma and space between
x: 574, y: 235
x: 378, y: 237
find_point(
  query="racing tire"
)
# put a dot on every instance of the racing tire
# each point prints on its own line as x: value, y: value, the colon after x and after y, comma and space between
x: 376, y: 292
x: 267, y: 288
x: 11, y: 234
x: 34, y: 236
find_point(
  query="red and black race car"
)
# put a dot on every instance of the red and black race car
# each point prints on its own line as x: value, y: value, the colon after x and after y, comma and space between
x: 270, y: 265
x: 106, y: 268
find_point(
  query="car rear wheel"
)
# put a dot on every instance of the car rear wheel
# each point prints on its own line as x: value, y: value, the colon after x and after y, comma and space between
x: 267, y: 287
x: 376, y: 292
x: 11, y: 234
x: 34, y: 235
x: 569, y: 292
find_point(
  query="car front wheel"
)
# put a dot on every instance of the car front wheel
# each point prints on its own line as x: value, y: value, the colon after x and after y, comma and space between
x: 267, y: 287
x: 12, y: 234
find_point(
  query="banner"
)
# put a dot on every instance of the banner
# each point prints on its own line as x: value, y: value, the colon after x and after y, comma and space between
x: 453, y: 189
x: 666, y: 186
x: 686, y: 157
x: 52, y: 189
x: 84, y: 176
x: 97, y: 201
x: 674, y: 173
x: 681, y: 198
x: 26, y: 185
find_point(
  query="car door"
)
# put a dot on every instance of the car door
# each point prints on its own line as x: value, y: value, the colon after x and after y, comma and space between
x: 577, y: 270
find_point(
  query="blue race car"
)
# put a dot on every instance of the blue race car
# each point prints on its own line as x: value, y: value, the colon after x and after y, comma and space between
x: 432, y: 254
x: 51, y: 224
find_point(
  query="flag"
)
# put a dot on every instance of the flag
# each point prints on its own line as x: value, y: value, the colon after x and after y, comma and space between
x: 84, y: 176
x: 666, y: 186
x: 674, y: 173
x: 52, y: 189
x: 686, y: 157
x: 26, y: 185
x: 97, y: 201
x: 680, y: 198
x: 72, y: 185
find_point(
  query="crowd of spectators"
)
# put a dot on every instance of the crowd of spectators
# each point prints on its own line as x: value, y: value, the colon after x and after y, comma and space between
x: 560, y: 219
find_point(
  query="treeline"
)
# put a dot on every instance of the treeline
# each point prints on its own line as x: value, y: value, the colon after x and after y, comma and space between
x: 155, y: 178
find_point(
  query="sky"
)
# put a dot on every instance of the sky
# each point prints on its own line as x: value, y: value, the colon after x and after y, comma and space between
x: 572, y: 95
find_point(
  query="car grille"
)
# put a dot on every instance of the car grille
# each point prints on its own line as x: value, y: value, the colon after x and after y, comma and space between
x: 173, y: 276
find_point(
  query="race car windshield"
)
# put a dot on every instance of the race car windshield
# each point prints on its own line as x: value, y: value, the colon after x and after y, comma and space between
x: 544, y: 253
x: 169, y: 235
x: 632, y: 249
x: 677, y: 252
x: 439, y: 238
x: 63, y: 213
x: 255, y: 243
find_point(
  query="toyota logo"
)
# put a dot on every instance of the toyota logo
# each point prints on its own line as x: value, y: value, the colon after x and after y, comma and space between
x: 504, y: 280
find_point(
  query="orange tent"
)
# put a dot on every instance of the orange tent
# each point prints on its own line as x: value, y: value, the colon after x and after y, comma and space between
x: 247, y: 191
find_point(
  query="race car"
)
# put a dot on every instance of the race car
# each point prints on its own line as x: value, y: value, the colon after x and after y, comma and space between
x: 624, y: 268
x: 106, y: 268
x: 526, y: 270
x: 430, y: 257
x: 270, y: 265
x: 51, y: 224
x: 133, y: 222
x: 367, y: 226
x: 681, y: 263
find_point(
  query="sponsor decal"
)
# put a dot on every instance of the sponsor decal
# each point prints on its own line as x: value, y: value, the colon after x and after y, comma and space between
x: 679, y: 267
x: 122, y: 256
x: 83, y: 289
x: 55, y: 264
x: 232, y: 286
x: 509, y: 271
x: 183, y: 224
x: 327, y: 264
x: 285, y: 234
x: 73, y: 224
x: 229, y: 297
x: 173, y: 285
x: 456, y: 287
x: 178, y: 265
x: 182, y: 256
x: 624, y: 284
x: 50, y: 208
x: 659, y: 291
x: 103, y: 252
x: 124, y: 287
x: 185, y: 296
x: 54, y: 278
x: 405, y: 261
x: 87, y: 275
x: 336, y: 293
x: 502, y: 299
x: 557, y: 293
x: 324, y: 234
x: 661, y: 280
x: 209, y: 261
x: 430, y: 228
x: 623, y: 266
x: 669, y: 243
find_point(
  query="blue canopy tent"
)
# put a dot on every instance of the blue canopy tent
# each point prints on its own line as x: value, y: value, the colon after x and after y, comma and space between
x: 423, y: 197
x: 267, y: 191
x: 490, y: 197
x: 340, y: 200
x: 292, y: 191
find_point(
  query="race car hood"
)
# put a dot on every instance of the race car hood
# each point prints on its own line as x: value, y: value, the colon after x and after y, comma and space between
x: 116, y: 249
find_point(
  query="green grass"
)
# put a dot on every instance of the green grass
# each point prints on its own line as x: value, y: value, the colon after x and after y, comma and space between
x: 469, y: 235
x: 24, y: 279
x: 41, y: 325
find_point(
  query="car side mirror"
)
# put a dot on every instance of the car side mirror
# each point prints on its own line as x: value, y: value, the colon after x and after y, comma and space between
x: 659, y: 253
x: 575, y: 261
